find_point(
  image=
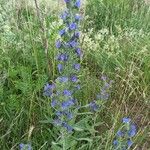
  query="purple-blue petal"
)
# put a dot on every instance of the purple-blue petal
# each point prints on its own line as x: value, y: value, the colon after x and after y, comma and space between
x: 129, y: 143
x: 63, y: 79
x: 74, y: 78
x: 72, y: 26
x: 78, y: 52
x: 126, y: 120
x: 60, y: 68
x: 78, y: 3
x: 132, y: 131
x: 62, y: 32
x: 73, y: 43
x: 58, y: 44
x: 76, y: 67
x: 67, y: 93
x: 93, y: 106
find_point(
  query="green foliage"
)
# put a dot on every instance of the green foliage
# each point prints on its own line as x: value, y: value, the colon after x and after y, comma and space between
x: 111, y: 13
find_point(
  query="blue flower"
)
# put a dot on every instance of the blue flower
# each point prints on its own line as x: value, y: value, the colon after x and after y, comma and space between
x: 67, y: 93
x: 77, y: 34
x: 59, y: 113
x: 126, y: 120
x: 60, y: 68
x: 25, y: 146
x: 78, y: 3
x: 72, y: 26
x: 68, y: 114
x: 64, y: 15
x: 67, y: 104
x: 48, y: 89
x: 62, y: 57
x: 78, y: 87
x: 58, y: 44
x: 120, y: 133
x: 73, y: 43
x: 93, y: 106
x: 63, y: 79
x: 76, y: 67
x: 78, y: 52
x: 62, y: 32
x: 129, y: 143
x: 47, y: 93
x: 77, y: 17
x: 68, y: 127
x: 132, y: 130
x: 67, y: 1
x: 54, y: 103
x: 116, y: 142
x: 74, y: 78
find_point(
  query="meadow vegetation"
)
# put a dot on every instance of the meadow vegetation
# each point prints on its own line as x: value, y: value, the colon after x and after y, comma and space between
x: 115, y: 41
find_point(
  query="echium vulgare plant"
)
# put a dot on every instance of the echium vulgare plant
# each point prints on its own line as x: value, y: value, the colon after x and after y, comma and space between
x: 62, y: 91
x: 123, y: 140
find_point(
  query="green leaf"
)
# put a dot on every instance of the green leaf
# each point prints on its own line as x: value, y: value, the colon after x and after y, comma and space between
x: 47, y: 121
x: 85, y: 139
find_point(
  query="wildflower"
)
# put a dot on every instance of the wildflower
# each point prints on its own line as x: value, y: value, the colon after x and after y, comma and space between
x: 129, y: 143
x: 78, y: 87
x: 104, y: 94
x: 58, y: 44
x: 125, y: 134
x: 72, y: 26
x: 78, y: 3
x: 68, y: 127
x: 120, y: 133
x: 77, y: 67
x: 25, y: 146
x: 126, y: 120
x: 68, y: 115
x: 59, y: 113
x: 74, y: 78
x: 77, y: 17
x: 62, y: 32
x: 63, y: 79
x: 48, y: 89
x: 78, y: 52
x: 62, y: 57
x: 93, y: 106
x: 60, y: 67
x: 67, y: 93
x: 73, y: 43
x: 77, y: 34
x: 53, y: 103
x: 115, y: 142
x: 64, y: 15
x: 67, y: 104
x: 132, y: 130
